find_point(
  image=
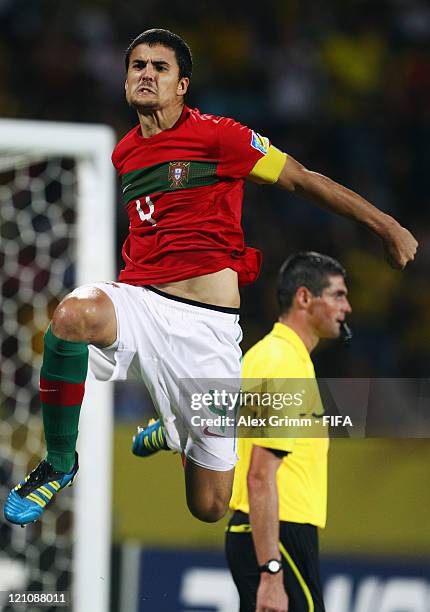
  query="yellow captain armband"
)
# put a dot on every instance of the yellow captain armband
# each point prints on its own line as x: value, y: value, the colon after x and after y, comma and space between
x: 269, y: 167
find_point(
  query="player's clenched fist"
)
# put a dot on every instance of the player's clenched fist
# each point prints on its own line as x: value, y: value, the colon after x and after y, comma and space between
x: 400, y: 245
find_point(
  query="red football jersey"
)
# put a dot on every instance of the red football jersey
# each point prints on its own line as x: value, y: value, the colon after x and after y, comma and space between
x: 183, y: 190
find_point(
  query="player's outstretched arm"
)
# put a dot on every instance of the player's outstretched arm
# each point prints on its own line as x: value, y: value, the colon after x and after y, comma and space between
x: 264, y: 519
x: 399, y: 244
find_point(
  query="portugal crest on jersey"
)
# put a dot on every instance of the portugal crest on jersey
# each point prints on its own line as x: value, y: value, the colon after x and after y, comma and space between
x: 178, y: 173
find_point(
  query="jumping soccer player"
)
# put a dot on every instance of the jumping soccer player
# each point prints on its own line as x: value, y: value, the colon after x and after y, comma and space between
x: 174, y: 313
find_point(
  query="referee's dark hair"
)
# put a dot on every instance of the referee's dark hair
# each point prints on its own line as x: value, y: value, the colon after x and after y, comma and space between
x: 168, y: 39
x: 306, y: 269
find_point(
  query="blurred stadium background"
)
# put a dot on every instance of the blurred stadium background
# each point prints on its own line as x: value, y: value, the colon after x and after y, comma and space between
x: 343, y: 86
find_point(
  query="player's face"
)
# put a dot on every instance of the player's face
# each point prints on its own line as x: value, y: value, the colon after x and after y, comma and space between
x: 153, y: 81
x: 330, y: 309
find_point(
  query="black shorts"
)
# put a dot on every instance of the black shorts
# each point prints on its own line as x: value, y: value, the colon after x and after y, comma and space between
x: 299, y: 551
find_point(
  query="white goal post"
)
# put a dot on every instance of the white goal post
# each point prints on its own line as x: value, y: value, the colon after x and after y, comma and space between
x: 21, y: 142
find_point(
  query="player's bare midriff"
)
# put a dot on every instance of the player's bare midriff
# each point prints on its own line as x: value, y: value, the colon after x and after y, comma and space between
x: 218, y: 288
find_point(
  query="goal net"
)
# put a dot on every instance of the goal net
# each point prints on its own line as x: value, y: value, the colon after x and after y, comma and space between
x: 56, y: 232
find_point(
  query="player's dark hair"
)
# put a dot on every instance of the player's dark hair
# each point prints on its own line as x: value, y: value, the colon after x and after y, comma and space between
x: 307, y: 269
x: 168, y: 39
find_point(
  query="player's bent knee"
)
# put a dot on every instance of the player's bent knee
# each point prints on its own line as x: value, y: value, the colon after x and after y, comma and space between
x: 208, y: 491
x: 85, y: 315
x: 210, y: 512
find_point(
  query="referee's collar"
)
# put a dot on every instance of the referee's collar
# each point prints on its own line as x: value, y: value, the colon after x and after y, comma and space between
x: 281, y: 330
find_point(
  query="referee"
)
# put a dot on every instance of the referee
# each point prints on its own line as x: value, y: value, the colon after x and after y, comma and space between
x: 280, y: 487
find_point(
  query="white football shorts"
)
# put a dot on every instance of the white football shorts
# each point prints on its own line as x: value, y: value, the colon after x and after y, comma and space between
x: 175, y: 347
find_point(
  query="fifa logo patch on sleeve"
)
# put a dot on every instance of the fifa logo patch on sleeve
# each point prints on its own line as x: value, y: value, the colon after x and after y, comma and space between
x: 178, y: 173
x: 261, y: 143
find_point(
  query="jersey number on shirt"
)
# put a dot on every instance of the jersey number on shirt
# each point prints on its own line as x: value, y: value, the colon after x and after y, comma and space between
x: 146, y: 216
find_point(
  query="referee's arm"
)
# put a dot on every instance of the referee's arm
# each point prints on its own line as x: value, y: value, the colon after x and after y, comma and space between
x: 264, y: 519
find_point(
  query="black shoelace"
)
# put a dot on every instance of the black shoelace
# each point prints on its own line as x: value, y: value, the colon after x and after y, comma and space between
x: 37, y: 477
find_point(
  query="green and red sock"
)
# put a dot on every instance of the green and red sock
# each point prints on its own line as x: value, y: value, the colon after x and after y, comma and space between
x: 62, y: 387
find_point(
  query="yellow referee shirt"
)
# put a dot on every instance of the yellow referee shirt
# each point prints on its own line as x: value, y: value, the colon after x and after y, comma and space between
x: 302, y: 475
